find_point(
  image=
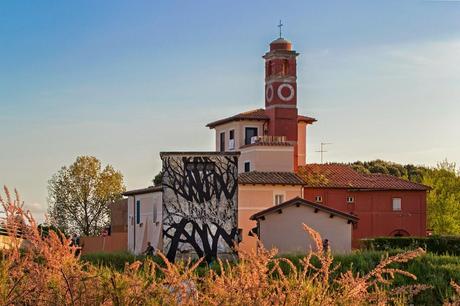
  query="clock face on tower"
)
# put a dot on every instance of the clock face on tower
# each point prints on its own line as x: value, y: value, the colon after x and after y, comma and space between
x: 285, y: 92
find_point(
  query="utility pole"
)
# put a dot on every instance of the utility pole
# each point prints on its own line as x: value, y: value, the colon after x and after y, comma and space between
x: 322, y: 149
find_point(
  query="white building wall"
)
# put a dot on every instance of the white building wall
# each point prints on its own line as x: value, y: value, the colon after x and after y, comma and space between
x: 149, y: 227
x: 285, y: 232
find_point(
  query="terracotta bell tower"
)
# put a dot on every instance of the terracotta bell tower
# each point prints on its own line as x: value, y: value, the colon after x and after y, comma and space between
x: 281, y: 91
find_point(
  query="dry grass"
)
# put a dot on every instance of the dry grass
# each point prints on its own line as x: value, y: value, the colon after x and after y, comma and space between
x: 46, y: 271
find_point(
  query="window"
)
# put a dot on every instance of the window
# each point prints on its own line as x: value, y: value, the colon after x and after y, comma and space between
x: 319, y: 199
x: 200, y: 166
x: 279, y: 198
x: 222, y: 142
x: 247, y: 166
x: 249, y: 132
x: 396, y: 204
x: 138, y: 211
x: 155, y: 213
x: 231, y: 141
x: 350, y: 200
x: 285, y: 67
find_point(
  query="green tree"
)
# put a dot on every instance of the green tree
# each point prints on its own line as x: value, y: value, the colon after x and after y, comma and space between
x: 78, y: 195
x: 443, y: 202
x: 157, y: 180
x: 408, y: 172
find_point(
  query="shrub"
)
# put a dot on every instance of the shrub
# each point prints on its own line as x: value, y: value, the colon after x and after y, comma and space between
x: 116, y: 260
x: 47, y: 271
x: 434, y: 244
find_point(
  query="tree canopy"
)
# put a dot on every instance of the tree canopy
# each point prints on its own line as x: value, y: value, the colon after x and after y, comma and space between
x: 409, y: 172
x: 443, y: 202
x: 78, y: 195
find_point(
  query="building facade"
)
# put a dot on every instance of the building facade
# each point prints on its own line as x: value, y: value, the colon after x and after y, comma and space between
x: 385, y: 205
x: 200, y: 204
x: 272, y: 142
x: 210, y: 200
x: 144, y: 207
x: 281, y: 227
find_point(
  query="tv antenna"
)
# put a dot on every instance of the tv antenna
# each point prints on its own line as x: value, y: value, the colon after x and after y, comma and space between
x: 322, y: 151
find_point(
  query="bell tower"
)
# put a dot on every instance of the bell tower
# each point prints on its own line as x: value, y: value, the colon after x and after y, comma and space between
x: 281, y: 90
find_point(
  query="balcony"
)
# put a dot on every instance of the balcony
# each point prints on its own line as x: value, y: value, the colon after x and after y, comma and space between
x: 269, y: 140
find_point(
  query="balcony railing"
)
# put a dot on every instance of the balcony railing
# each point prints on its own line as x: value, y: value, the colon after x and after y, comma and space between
x: 268, y: 139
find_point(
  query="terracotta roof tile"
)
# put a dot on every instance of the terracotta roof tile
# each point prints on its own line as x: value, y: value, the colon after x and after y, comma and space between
x: 256, y: 114
x: 343, y: 176
x: 274, y: 178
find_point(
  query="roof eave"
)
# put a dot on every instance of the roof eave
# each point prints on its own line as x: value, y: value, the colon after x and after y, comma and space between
x: 225, y: 121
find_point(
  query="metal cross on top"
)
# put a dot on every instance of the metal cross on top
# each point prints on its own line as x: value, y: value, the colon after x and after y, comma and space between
x: 279, y: 26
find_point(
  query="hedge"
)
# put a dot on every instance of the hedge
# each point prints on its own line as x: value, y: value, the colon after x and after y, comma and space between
x: 430, y: 269
x: 442, y: 245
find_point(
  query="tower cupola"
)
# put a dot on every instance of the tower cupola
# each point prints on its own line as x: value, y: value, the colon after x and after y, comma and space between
x: 280, y: 44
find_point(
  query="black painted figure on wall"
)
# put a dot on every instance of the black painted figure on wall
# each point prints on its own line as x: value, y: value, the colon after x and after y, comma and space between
x: 200, y: 192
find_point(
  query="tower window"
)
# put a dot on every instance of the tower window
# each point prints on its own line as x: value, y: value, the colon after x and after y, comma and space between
x: 285, y: 67
x: 247, y: 166
x: 222, y: 142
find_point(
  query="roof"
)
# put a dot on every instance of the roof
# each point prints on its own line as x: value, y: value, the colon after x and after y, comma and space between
x: 256, y: 114
x: 198, y: 153
x: 280, y: 40
x: 253, y: 115
x: 272, y: 178
x: 335, y: 175
x: 143, y: 190
x: 306, y: 119
x: 299, y: 201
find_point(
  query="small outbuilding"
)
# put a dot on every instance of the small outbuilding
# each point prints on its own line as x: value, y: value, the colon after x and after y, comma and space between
x: 281, y: 227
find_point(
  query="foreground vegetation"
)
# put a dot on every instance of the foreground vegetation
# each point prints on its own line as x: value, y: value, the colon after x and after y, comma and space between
x: 41, y: 270
x: 437, y: 271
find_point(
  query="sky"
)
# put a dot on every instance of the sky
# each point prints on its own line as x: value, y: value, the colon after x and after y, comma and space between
x: 124, y: 80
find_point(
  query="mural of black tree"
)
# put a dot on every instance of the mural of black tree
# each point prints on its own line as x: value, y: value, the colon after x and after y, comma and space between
x: 200, y: 204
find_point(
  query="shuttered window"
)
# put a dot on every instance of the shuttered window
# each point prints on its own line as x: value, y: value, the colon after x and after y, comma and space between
x: 138, y: 211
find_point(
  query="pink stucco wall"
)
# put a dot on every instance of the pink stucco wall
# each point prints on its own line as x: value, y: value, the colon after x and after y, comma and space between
x: 116, y: 242
x: 267, y: 158
x: 254, y: 198
x: 301, y: 143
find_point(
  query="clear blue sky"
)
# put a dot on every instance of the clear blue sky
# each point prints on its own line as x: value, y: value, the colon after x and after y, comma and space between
x: 123, y: 80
